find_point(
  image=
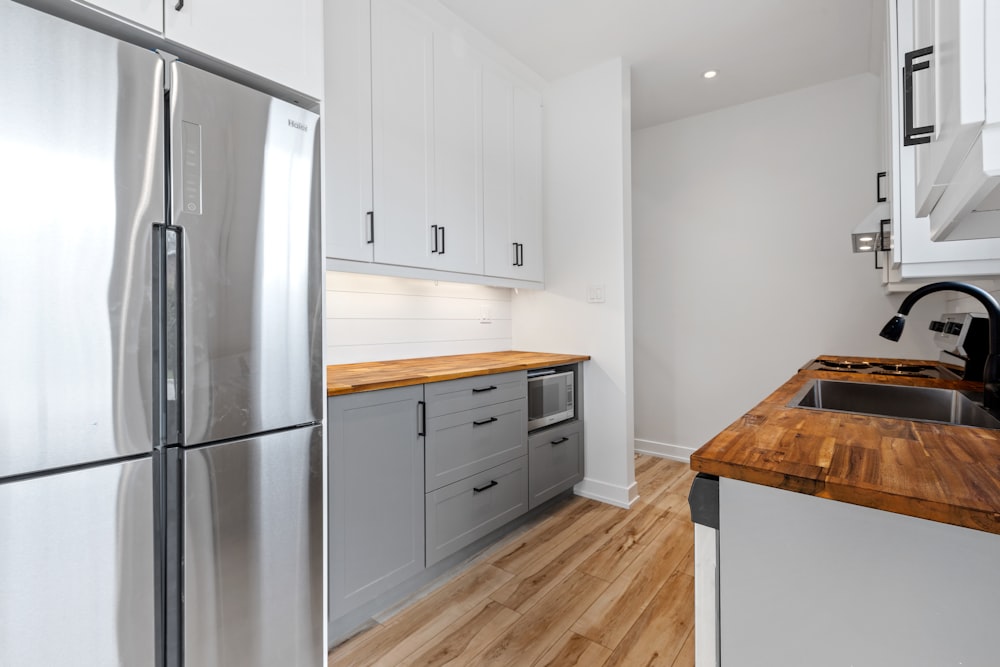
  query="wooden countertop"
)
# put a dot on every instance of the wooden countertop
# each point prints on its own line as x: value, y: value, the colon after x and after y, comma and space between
x: 940, y: 472
x: 352, y: 378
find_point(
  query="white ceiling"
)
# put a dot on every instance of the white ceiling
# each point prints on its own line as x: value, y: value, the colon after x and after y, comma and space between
x: 759, y: 47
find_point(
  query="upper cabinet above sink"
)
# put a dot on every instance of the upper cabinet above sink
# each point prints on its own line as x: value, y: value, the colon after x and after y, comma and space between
x: 953, y: 102
x: 932, y: 123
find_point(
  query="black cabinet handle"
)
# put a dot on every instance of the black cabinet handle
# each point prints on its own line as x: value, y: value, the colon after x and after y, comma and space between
x: 442, y: 239
x: 484, y: 422
x: 371, y: 226
x: 422, y: 408
x: 911, y: 135
x: 879, y: 197
x: 515, y: 253
x: 480, y: 489
x: 180, y: 5
x: 884, y: 235
x: 559, y: 441
x: 434, y: 231
x: 479, y: 390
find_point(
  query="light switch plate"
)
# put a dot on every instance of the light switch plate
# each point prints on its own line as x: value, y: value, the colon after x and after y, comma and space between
x: 595, y: 294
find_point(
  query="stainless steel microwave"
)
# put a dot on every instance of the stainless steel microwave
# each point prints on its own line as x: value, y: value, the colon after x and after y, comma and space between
x: 550, y: 398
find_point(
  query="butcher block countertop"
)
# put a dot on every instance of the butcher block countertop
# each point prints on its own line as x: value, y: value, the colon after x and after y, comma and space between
x: 940, y: 472
x: 352, y: 378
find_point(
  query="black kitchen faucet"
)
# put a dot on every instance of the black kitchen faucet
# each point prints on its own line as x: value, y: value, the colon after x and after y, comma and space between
x: 991, y: 373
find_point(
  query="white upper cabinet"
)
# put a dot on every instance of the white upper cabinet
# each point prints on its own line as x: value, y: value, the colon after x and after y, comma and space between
x: 914, y: 254
x: 347, y: 131
x: 527, y: 223
x: 457, y: 202
x: 512, y: 138
x: 402, y: 45
x: 281, y: 41
x: 433, y: 151
x: 948, y: 73
x: 147, y: 13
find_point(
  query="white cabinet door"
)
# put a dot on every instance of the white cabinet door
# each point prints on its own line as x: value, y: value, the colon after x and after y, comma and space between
x: 512, y: 135
x: 402, y: 44
x: 347, y: 127
x: 527, y: 222
x: 498, y: 174
x: 281, y: 41
x: 949, y: 94
x: 914, y: 253
x: 147, y: 13
x: 457, y: 202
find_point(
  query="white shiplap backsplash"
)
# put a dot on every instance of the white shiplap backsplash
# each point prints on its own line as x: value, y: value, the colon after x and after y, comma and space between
x: 372, y: 318
x: 960, y: 303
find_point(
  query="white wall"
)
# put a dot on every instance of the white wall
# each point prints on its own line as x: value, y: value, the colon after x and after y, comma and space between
x: 587, y: 242
x: 372, y: 318
x: 742, y: 256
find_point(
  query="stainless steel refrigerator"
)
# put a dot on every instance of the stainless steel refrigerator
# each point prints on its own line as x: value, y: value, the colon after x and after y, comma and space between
x: 160, y: 360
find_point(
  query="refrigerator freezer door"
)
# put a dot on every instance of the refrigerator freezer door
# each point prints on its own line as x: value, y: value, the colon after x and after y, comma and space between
x: 81, y: 183
x: 245, y: 187
x: 76, y: 567
x: 253, y: 553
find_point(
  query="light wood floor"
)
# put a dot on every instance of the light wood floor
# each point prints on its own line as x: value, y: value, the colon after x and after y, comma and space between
x: 588, y: 584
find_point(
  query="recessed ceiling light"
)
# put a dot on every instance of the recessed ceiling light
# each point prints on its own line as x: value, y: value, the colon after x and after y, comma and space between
x: 710, y: 74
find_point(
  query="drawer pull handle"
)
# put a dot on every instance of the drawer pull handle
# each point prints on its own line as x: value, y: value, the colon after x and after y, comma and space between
x: 484, y: 421
x: 559, y: 441
x: 480, y: 489
x: 482, y: 389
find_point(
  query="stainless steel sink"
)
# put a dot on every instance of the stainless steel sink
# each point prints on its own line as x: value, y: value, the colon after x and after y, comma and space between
x: 944, y: 406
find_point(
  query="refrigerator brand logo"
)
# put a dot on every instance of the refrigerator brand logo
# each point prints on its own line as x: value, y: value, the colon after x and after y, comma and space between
x: 297, y: 125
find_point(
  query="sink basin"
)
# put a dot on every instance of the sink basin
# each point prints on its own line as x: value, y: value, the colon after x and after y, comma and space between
x: 944, y: 406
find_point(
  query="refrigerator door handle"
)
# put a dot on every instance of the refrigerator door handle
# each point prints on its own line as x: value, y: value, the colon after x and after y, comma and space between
x: 166, y: 334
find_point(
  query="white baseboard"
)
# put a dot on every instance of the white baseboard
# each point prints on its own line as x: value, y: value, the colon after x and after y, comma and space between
x: 663, y: 450
x: 612, y: 494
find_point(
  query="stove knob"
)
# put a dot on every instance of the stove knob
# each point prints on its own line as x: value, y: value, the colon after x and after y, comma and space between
x: 953, y: 328
x: 937, y: 326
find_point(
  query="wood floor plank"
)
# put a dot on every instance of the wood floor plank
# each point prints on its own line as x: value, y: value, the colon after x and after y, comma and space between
x: 525, y: 590
x: 657, y: 636
x: 415, y: 625
x: 572, y: 649
x: 534, y: 544
x: 465, y: 638
x: 542, y: 626
x: 612, y: 615
x: 686, y: 657
x: 611, y: 558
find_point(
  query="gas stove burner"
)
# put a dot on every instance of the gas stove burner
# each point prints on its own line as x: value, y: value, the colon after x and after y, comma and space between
x: 905, y: 368
x: 845, y: 365
x: 904, y: 373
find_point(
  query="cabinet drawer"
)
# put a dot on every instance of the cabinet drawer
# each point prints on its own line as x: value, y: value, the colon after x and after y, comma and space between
x: 555, y: 461
x: 459, y: 514
x: 469, y: 442
x: 469, y: 393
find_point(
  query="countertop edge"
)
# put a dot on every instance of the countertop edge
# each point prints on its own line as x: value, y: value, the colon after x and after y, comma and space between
x: 476, y: 367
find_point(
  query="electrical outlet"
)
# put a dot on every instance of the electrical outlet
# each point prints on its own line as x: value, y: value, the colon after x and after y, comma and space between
x: 595, y: 294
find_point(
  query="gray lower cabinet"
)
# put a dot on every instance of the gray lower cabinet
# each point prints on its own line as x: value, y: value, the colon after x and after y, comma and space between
x: 475, y: 392
x: 376, y: 496
x: 458, y: 514
x: 464, y: 443
x: 555, y: 461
